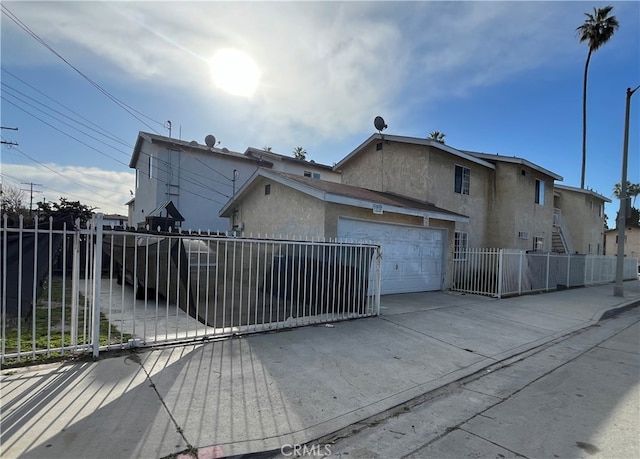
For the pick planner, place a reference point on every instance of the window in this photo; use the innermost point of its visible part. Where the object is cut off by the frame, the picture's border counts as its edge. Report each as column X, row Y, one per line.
column 538, row 243
column 267, row 189
column 150, row 167
column 539, row 192
column 137, row 179
column 307, row 174
column 590, row 247
column 378, row 146
column 523, row 235
column 462, row 180
column 599, row 210
column 460, row 245
column 316, row 175
column 625, row 239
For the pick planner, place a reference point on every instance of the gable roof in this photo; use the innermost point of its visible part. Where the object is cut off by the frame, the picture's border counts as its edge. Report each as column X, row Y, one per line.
column 591, row 193
column 264, row 155
column 514, row 160
column 340, row 193
column 412, row 141
column 189, row 147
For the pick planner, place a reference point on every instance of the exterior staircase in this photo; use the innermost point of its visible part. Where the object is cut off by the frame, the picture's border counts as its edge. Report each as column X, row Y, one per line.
column 560, row 238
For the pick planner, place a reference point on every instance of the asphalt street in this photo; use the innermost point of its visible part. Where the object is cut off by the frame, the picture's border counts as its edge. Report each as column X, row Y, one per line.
column 578, row 396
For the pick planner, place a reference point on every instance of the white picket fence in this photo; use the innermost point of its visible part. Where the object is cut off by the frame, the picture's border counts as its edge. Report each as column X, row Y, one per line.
column 70, row 290
column 506, row 272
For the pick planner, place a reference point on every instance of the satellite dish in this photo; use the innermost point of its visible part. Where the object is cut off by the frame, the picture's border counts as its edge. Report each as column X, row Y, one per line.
column 225, row 150
column 193, row 143
column 210, row 140
column 379, row 124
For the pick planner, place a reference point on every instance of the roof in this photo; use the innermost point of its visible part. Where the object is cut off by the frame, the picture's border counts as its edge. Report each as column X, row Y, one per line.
column 591, row 193
column 340, row 193
column 264, row 155
column 514, row 160
column 413, row 141
column 114, row 217
column 170, row 210
column 183, row 145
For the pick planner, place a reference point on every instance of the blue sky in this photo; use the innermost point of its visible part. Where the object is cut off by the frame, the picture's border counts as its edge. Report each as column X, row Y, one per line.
column 495, row 77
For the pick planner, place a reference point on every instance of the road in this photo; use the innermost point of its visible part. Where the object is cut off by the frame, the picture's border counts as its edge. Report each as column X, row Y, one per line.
column 578, row 396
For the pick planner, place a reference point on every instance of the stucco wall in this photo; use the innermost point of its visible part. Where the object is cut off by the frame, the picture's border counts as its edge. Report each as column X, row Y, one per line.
column 427, row 174
column 284, row 212
column 513, row 208
column 631, row 245
column 583, row 214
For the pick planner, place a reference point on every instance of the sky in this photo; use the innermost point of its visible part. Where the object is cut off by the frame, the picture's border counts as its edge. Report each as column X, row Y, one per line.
column 81, row 79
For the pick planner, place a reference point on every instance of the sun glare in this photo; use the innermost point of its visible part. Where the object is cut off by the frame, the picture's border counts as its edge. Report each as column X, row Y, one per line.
column 235, row 72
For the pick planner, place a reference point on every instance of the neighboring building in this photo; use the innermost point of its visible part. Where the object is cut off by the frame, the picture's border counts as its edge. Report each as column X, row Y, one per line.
column 416, row 236
column 115, row 220
column 292, row 165
column 197, row 179
column 631, row 242
column 581, row 212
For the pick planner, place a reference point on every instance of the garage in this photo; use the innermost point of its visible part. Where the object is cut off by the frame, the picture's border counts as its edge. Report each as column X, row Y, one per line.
column 412, row 256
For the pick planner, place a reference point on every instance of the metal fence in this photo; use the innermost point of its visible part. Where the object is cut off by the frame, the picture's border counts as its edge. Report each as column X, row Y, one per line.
column 505, row 272
column 67, row 290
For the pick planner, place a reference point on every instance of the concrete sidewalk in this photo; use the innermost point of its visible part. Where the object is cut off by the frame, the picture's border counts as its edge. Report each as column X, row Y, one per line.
column 261, row 392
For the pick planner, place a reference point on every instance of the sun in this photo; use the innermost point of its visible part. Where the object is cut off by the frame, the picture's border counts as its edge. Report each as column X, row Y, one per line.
column 235, row 72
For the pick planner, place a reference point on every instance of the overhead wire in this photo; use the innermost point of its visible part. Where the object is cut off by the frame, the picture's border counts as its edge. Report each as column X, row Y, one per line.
column 132, row 111
column 96, row 126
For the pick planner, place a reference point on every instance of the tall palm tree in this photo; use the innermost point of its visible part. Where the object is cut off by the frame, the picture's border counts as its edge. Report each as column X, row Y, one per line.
column 597, row 29
column 632, row 191
column 267, row 148
column 437, row 136
column 299, row 153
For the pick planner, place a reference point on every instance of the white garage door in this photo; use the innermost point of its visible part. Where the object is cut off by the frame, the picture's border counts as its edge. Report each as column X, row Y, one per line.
column 411, row 255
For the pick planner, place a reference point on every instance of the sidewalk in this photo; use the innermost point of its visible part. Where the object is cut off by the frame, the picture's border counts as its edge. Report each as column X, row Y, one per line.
column 260, row 392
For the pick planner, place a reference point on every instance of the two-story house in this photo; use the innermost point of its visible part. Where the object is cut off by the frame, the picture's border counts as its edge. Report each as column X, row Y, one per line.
column 198, row 179
column 452, row 199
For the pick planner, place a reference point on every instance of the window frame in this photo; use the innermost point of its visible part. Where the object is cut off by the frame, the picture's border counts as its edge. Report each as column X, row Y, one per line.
column 539, row 192
column 460, row 245
column 460, row 185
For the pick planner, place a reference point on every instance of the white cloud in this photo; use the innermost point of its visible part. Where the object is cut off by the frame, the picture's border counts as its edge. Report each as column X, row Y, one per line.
column 105, row 190
column 327, row 68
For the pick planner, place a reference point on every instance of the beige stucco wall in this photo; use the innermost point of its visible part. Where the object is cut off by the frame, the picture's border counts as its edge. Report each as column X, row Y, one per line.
column 427, row 174
column 284, row 212
column 583, row 215
column 513, row 209
column 631, row 245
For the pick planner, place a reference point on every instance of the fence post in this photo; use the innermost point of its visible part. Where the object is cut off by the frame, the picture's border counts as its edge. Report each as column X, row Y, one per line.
column 500, row 263
column 97, row 279
column 548, row 259
column 378, row 279
column 520, row 273
column 75, row 286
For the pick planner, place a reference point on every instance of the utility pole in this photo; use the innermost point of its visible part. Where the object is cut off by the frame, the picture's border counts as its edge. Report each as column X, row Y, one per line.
column 618, row 289
column 31, row 191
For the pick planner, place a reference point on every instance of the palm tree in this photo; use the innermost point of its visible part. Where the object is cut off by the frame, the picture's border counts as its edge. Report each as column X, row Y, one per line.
column 267, row 149
column 597, row 29
column 633, row 190
column 437, row 136
column 299, row 153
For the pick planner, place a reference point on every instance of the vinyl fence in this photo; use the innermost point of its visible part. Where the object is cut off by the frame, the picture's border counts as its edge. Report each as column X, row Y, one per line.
column 504, row 272
column 67, row 290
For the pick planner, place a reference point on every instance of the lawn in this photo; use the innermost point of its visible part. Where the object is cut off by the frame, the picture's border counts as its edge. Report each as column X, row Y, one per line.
column 34, row 341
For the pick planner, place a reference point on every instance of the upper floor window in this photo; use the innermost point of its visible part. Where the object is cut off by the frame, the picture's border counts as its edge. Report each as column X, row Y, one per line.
column 150, row 167
column 137, row 179
column 539, row 196
column 462, row 180
column 538, row 244
column 315, row 175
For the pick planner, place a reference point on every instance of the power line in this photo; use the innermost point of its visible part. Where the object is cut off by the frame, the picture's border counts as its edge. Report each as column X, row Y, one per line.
column 97, row 126
column 31, row 191
column 113, row 98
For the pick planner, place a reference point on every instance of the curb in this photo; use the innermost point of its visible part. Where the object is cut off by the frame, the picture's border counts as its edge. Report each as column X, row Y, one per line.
column 613, row 312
